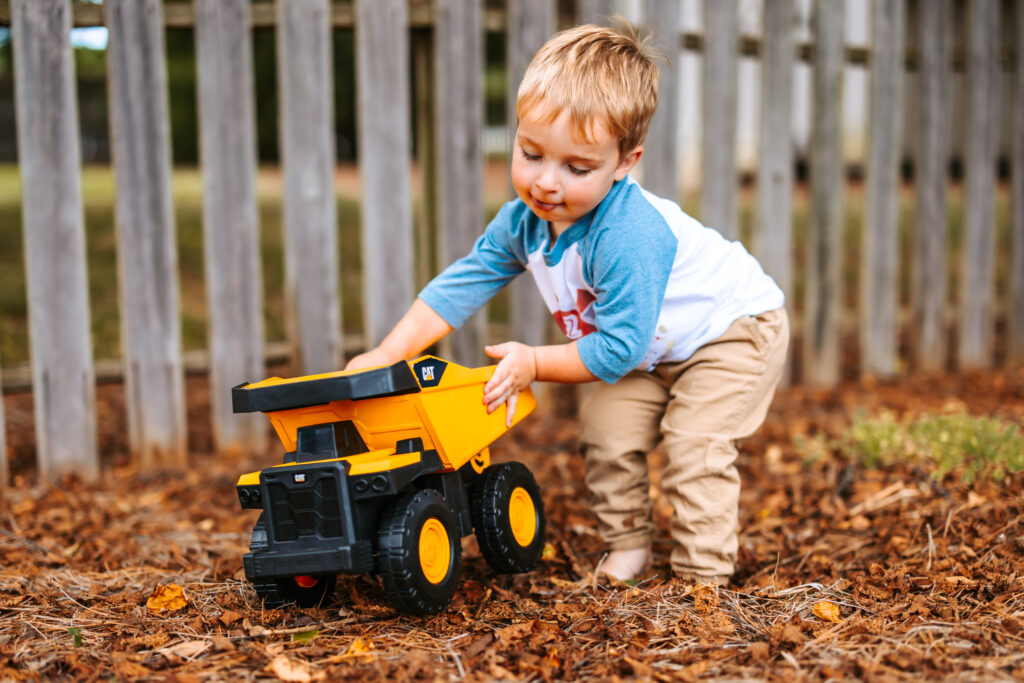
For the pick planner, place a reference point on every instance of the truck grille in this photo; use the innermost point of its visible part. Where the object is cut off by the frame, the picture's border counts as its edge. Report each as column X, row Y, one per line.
column 304, row 509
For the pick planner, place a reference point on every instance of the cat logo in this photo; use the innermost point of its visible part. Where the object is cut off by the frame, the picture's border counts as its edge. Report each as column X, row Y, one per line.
column 429, row 371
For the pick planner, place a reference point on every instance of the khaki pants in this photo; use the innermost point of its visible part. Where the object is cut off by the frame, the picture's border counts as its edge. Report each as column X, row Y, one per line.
column 701, row 408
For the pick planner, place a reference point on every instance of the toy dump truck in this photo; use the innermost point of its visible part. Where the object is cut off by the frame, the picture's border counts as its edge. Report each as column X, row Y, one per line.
column 385, row 470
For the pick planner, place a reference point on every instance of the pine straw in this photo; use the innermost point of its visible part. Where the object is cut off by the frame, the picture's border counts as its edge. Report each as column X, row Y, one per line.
column 928, row 578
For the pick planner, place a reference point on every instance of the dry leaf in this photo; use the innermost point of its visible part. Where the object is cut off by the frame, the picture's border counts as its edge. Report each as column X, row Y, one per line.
column 827, row 611
column 360, row 648
column 228, row 617
column 167, row 597
column 288, row 670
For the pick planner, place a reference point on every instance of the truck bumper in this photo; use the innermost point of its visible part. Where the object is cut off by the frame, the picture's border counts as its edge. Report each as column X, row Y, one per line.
column 349, row 559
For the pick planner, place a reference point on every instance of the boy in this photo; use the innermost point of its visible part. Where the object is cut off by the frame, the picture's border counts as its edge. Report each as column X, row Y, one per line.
column 682, row 330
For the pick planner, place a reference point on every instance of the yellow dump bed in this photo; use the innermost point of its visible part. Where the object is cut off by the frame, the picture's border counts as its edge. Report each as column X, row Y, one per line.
column 430, row 399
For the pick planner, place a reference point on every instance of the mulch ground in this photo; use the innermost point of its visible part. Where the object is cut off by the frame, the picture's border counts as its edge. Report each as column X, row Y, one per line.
column 844, row 572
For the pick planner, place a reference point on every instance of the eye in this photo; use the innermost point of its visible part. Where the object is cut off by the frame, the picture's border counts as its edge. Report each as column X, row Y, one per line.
column 529, row 156
column 579, row 171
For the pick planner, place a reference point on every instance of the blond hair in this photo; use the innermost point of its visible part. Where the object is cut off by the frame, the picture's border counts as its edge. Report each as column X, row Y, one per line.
column 591, row 72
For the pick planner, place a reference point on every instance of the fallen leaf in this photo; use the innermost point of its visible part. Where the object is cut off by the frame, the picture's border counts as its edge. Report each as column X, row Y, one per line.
column 305, row 637
column 827, row 611
column 167, row 597
column 185, row 650
column 360, row 648
column 228, row 617
column 287, row 670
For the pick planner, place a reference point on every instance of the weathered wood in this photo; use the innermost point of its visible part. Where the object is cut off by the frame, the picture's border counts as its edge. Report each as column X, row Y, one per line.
column 822, row 300
column 5, row 472
column 774, row 219
column 1015, row 350
column 662, row 149
column 879, row 291
column 530, row 24
column 773, row 229
column 426, row 227
column 718, row 174
column 594, row 11
column 234, row 287
column 978, row 290
column 929, row 289
column 146, row 252
column 50, row 157
column 459, row 72
column 312, row 303
column 382, row 69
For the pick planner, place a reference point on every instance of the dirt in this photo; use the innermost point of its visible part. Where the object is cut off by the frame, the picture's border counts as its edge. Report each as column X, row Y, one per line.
column 844, row 572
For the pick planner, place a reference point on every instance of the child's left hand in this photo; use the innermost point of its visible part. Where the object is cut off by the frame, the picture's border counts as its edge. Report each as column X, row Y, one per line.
column 516, row 370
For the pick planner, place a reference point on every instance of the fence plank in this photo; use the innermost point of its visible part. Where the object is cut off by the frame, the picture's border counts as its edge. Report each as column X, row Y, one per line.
column 382, row 63
column 1016, row 322
column 774, row 231
column 822, row 300
column 595, row 11
column 459, row 44
column 54, row 232
column 879, row 255
column 530, row 24
column 146, row 254
column 718, row 177
column 929, row 288
column 977, row 298
column 661, row 151
column 234, row 287
column 313, row 307
column 5, row 471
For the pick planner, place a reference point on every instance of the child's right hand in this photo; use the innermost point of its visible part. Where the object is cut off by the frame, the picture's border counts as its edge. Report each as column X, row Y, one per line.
column 371, row 359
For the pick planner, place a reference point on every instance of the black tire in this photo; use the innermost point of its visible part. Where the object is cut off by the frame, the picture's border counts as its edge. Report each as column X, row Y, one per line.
column 419, row 576
column 505, row 502
column 306, row 591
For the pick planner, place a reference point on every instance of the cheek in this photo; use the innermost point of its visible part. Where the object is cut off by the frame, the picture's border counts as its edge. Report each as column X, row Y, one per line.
column 582, row 191
column 520, row 176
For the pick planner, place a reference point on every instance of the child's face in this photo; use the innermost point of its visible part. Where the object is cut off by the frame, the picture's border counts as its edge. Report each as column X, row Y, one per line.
column 560, row 177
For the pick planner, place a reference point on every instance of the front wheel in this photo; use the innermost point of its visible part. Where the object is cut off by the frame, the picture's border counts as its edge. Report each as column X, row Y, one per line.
column 419, row 552
column 508, row 518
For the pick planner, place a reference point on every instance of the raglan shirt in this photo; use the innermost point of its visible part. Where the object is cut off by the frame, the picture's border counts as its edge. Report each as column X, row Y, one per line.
column 636, row 281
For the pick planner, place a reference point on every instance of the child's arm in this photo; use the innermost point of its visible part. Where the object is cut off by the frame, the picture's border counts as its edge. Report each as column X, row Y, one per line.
column 420, row 327
column 521, row 364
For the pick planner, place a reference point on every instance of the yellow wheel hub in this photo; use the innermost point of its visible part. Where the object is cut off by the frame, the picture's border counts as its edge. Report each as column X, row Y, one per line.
column 435, row 550
column 522, row 516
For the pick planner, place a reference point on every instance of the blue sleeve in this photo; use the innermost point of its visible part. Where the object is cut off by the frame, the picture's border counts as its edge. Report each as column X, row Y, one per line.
column 629, row 270
column 466, row 285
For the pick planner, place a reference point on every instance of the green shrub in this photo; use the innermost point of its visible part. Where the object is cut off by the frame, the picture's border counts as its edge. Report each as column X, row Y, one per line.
column 974, row 447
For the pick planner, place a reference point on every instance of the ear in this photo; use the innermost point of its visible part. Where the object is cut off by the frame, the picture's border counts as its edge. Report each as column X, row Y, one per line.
column 628, row 161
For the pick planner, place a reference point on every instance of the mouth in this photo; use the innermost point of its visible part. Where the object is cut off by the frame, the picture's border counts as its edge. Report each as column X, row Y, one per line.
column 544, row 206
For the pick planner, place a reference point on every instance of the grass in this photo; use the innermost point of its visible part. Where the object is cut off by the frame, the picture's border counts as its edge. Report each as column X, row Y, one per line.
column 98, row 201
column 970, row 447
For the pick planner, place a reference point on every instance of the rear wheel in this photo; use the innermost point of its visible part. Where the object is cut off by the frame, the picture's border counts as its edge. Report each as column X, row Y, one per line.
column 508, row 518
column 419, row 552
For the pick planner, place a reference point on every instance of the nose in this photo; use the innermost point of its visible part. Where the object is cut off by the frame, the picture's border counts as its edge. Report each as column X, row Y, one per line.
column 547, row 179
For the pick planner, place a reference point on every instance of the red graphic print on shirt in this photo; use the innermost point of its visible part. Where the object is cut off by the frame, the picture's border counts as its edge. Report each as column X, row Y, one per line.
column 574, row 324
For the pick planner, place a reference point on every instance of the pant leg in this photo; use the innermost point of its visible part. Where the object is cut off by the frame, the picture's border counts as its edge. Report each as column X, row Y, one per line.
column 619, row 427
column 719, row 395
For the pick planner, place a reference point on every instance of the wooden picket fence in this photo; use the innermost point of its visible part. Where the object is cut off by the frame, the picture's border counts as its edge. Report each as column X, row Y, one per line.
column 63, row 371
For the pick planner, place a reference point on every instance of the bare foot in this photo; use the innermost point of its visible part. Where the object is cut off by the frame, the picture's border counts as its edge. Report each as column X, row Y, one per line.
column 625, row 565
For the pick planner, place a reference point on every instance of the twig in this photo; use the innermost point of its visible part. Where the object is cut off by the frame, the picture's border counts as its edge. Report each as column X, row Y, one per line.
column 931, row 548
